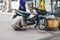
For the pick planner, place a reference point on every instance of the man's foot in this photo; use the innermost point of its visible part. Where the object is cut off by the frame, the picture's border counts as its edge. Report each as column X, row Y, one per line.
column 24, row 25
column 18, row 28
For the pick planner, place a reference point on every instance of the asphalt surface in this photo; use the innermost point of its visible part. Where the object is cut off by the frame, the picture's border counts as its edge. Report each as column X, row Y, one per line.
column 52, row 37
column 55, row 38
column 8, row 33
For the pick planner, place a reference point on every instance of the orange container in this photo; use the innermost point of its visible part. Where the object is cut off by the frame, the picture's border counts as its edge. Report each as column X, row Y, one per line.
column 53, row 23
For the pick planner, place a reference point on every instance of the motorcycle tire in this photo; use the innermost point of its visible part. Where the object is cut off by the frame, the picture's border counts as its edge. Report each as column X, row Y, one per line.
column 35, row 25
column 42, row 25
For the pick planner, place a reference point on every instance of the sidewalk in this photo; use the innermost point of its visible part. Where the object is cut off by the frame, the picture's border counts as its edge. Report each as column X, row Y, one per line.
column 7, row 32
column 6, row 12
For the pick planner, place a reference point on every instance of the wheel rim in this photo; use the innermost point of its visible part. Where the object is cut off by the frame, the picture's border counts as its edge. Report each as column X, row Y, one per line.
column 41, row 24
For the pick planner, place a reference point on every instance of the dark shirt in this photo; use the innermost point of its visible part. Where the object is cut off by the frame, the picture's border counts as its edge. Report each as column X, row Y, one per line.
column 22, row 4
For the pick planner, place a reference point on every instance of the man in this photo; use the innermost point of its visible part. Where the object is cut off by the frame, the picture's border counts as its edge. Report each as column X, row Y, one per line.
column 22, row 5
column 19, row 21
column 31, row 10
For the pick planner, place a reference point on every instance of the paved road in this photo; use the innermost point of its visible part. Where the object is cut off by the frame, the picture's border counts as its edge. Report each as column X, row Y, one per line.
column 7, row 32
column 56, row 38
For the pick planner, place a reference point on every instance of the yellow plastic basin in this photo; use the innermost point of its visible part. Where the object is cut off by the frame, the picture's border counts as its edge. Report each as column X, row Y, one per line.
column 53, row 23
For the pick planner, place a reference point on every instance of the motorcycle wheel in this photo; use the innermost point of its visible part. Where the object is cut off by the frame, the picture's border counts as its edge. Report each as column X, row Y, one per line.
column 34, row 25
column 42, row 25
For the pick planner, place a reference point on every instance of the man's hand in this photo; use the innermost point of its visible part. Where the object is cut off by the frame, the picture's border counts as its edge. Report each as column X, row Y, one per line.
column 33, row 13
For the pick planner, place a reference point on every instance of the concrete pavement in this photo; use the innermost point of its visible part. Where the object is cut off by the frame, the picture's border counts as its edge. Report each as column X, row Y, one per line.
column 7, row 32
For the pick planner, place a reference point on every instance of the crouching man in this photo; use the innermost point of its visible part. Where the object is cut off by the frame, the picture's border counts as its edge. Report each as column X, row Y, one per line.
column 19, row 21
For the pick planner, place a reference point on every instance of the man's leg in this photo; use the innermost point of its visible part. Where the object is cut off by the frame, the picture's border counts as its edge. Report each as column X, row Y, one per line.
column 16, row 21
column 19, row 22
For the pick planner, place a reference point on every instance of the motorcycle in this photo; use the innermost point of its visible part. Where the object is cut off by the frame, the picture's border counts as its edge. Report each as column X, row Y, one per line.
column 37, row 20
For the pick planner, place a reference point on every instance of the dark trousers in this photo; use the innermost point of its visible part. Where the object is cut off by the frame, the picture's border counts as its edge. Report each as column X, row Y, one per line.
column 22, row 9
